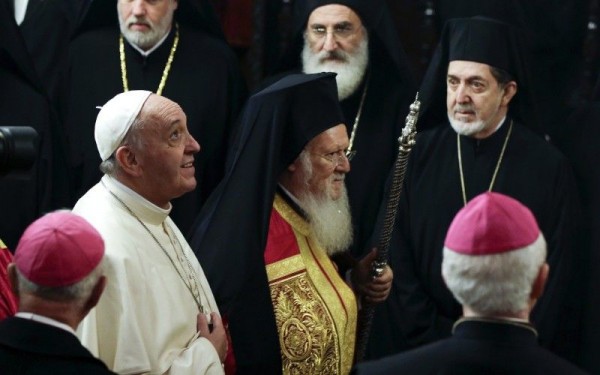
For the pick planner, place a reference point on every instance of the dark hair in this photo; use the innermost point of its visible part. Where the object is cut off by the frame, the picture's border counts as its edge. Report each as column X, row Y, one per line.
column 502, row 76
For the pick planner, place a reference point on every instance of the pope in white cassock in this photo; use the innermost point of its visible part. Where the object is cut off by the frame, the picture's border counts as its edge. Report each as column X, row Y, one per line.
column 154, row 315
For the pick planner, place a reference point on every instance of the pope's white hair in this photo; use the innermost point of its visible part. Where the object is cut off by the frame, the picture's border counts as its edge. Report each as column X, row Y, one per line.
column 133, row 137
column 494, row 284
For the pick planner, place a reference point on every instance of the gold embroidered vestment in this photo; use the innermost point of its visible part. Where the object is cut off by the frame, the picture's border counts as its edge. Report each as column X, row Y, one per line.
column 315, row 310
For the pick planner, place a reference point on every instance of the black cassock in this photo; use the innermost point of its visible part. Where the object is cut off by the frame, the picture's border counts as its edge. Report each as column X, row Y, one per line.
column 476, row 348
column 23, row 102
column 376, row 144
column 204, row 80
column 420, row 308
column 581, row 146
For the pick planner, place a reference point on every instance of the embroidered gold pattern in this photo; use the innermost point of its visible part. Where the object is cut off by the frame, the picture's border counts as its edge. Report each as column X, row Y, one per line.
column 307, row 334
column 315, row 309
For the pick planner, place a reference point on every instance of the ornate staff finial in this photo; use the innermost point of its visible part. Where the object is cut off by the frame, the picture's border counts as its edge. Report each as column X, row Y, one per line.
column 406, row 143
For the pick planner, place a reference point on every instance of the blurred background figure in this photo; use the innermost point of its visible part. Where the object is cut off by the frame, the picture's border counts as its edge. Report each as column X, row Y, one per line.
column 581, row 145
column 8, row 301
column 29, row 75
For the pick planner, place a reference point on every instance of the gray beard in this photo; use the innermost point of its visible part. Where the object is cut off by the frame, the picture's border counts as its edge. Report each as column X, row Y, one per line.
column 466, row 128
column 330, row 221
column 147, row 40
column 350, row 70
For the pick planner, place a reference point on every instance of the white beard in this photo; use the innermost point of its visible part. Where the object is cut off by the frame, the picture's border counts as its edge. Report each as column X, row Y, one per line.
column 350, row 67
column 330, row 220
column 466, row 128
column 470, row 129
column 145, row 40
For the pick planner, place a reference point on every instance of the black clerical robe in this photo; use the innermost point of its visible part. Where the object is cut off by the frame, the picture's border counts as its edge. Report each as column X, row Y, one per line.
column 47, row 29
column 376, row 144
column 23, row 102
column 204, row 80
column 476, row 347
column 28, row 347
column 581, row 147
column 420, row 308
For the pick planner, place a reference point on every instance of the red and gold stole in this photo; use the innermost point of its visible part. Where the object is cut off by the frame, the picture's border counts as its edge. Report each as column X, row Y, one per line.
column 315, row 309
column 8, row 301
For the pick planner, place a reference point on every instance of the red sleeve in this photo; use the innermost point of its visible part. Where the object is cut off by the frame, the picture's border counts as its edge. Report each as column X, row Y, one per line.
column 281, row 240
column 8, row 301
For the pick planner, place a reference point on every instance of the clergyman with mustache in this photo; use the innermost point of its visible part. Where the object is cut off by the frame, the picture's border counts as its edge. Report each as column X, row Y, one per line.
column 480, row 107
column 269, row 231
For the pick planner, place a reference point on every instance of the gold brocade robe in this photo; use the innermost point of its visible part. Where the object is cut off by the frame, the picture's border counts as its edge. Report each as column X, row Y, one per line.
column 315, row 309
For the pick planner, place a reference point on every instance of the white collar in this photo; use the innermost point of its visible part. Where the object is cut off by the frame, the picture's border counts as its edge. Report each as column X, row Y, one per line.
column 143, row 208
column 147, row 53
column 45, row 320
column 499, row 124
column 20, row 10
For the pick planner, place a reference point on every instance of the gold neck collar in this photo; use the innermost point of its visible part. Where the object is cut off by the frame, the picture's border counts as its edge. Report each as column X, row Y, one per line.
column 358, row 115
column 165, row 74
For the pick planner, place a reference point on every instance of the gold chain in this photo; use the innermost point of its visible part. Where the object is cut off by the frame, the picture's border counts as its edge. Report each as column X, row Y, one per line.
column 165, row 74
column 192, row 278
column 357, row 118
column 460, row 167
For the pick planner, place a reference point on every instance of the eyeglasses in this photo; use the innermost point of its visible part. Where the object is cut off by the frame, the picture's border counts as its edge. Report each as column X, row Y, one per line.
column 340, row 31
column 337, row 157
column 151, row 2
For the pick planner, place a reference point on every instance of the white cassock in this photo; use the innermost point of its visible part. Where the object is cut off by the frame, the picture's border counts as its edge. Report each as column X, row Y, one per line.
column 145, row 321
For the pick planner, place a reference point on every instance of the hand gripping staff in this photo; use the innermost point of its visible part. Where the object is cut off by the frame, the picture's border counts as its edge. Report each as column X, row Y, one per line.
column 406, row 143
